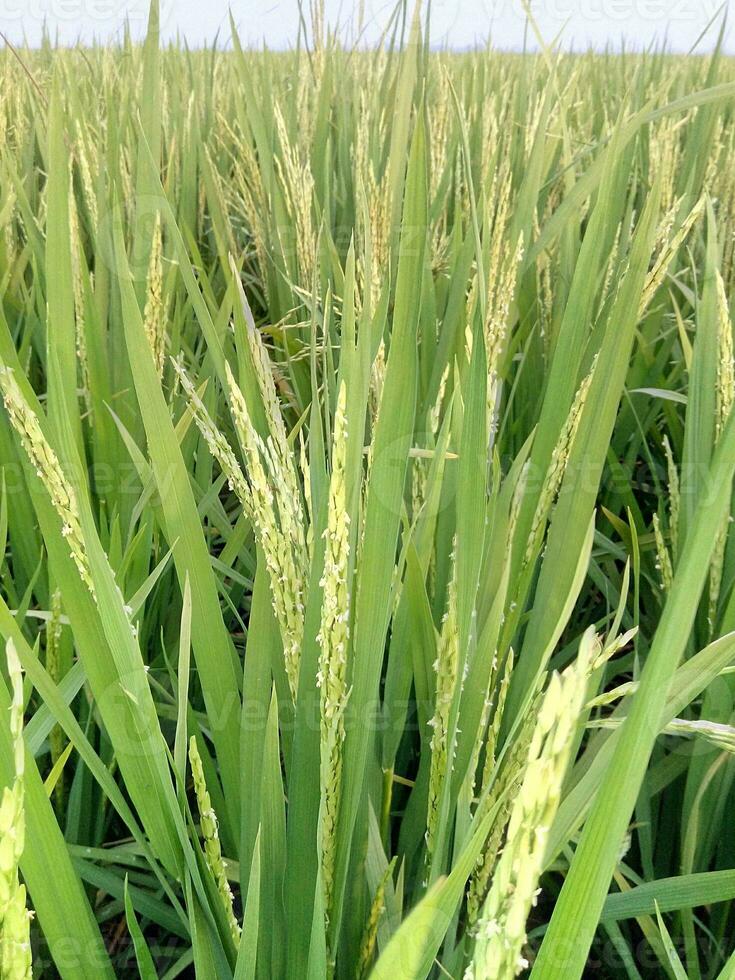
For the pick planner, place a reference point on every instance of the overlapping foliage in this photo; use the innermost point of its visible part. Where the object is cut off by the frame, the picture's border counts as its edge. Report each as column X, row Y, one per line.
column 366, row 490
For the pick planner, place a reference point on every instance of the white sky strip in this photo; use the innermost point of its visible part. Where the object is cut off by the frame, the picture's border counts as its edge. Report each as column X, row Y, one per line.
column 581, row 23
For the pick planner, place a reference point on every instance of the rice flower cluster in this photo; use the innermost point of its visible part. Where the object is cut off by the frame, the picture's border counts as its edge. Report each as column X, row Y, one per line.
column 333, row 638
column 218, row 446
column 278, row 516
column 446, row 667
column 210, row 833
column 153, row 314
column 48, row 470
column 557, row 466
column 501, row 929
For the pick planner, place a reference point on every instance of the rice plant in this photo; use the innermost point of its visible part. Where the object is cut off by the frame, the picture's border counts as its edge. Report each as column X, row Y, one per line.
column 366, row 463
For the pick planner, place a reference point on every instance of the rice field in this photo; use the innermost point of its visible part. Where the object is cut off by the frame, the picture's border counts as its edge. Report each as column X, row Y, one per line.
column 366, row 469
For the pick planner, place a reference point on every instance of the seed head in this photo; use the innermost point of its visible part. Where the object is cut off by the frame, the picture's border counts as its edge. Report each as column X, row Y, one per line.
column 48, row 469
column 210, row 833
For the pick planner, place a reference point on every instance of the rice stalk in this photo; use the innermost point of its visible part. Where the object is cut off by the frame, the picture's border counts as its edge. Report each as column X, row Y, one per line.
column 15, row 919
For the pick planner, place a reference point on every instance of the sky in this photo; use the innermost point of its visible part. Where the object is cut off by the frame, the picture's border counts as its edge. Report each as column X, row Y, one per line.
column 455, row 23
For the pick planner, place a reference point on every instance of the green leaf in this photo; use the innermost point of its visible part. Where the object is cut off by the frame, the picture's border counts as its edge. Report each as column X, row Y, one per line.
column 247, row 953
column 670, row 894
column 580, row 903
column 143, row 956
